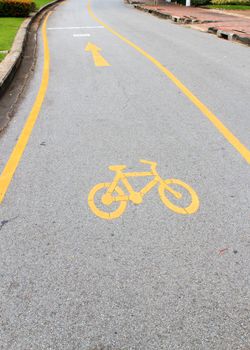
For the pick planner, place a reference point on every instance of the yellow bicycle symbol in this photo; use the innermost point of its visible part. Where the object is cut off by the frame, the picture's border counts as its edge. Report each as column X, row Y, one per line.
column 108, row 194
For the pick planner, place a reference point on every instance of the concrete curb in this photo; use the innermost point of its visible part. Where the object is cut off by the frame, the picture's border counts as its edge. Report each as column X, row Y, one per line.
column 12, row 61
column 229, row 36
column 188, row 20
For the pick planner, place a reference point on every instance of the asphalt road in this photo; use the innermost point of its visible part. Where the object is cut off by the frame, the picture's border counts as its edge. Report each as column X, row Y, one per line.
column 151, row 278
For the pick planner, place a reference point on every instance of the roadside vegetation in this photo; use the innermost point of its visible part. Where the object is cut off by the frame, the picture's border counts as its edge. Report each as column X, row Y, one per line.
column 220, row 4
column 12, row 14
column 229, row 4
column 41, row 3
column 8, row 28
column 228, row 7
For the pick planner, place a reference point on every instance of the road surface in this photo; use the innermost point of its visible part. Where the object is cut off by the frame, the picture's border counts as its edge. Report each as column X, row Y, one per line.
column 90, row 267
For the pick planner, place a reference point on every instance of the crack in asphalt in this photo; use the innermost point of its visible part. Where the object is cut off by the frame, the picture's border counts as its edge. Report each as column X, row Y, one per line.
column 4, row 222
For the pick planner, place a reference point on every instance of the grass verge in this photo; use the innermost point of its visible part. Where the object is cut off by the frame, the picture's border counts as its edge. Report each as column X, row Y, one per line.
column 2, row 55
column 41, row 3
column 229, row 7
column 8, row 29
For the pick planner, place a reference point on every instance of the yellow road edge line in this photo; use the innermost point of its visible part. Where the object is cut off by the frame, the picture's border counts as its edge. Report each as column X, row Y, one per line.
column 16, row 155
column 229, row 136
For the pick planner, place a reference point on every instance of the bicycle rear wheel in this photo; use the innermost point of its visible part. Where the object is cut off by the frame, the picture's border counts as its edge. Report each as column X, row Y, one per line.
column 112, row 211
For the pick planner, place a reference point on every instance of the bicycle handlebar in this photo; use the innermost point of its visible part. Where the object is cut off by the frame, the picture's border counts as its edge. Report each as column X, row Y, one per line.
column 143, row 161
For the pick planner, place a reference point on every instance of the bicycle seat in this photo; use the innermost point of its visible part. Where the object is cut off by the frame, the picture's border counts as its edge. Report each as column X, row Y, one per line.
column 117, row 167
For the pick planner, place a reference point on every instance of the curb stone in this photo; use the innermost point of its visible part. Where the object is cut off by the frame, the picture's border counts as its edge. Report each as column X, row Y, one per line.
column 12, row 61
column 226, row 35
column 188, row 20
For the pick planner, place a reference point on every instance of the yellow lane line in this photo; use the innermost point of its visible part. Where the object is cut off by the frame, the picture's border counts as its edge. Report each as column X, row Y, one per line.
column 235, row 142
column 16, row 155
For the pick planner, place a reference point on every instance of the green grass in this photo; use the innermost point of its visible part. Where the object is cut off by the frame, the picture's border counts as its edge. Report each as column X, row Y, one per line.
column 229, row 7
column 2, row 56
column 8, row 29
column 41, row 3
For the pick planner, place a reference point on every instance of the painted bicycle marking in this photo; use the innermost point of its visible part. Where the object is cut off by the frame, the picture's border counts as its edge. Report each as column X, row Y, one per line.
column 115, row 194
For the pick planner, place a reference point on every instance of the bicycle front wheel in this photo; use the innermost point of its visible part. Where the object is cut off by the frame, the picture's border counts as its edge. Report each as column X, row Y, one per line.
column 187, row 197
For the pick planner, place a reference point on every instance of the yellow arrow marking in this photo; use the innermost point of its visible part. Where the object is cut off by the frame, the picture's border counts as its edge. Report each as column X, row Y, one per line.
column 97, row 57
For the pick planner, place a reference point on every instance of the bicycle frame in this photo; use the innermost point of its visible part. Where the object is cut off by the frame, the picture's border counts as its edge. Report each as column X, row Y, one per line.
column 134, row 196
column 114, row 193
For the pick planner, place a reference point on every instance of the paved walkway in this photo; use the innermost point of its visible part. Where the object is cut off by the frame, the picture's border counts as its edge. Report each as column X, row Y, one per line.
column 236, row 23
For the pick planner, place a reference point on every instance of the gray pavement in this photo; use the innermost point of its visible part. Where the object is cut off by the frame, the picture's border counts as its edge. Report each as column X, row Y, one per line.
column 151, row 279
